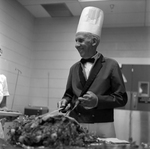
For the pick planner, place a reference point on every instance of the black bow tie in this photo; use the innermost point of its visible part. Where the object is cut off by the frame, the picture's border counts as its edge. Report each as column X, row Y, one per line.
column 90, row 60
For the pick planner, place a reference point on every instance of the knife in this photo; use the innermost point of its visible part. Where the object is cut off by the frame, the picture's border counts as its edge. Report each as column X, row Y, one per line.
column 46, row 115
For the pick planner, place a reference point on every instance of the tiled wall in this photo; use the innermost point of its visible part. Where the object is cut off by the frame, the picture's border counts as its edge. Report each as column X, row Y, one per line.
column 54, row 53
column 16, row 40
column 48, row 45
column 133, row 124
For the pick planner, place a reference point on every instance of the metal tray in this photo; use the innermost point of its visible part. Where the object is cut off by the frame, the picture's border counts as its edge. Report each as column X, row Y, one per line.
column 8, row 113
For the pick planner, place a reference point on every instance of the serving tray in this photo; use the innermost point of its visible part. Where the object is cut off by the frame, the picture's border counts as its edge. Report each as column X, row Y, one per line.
column 9, row 113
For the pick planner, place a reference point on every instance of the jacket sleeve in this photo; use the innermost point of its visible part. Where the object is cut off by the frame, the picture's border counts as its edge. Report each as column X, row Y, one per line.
column 68, row 92
column 117, row 97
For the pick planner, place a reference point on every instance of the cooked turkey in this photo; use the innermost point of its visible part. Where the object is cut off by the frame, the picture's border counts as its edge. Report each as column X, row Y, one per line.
column 56, row 131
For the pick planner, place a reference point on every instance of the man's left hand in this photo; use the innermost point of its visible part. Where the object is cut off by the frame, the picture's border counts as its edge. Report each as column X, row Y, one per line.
column 89, row 100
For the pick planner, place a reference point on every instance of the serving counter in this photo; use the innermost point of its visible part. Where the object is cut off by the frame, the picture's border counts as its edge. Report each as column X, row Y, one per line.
column 5, row 145
column 8, row 114
column 102, row 143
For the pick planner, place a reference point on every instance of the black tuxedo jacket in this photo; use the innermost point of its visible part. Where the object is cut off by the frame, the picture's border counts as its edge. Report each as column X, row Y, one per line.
column 108, row 85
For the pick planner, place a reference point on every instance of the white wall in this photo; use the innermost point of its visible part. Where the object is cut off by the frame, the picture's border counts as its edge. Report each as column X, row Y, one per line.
column 16, row 39
column 134, row 124
column 48, row 45
column 54, row 54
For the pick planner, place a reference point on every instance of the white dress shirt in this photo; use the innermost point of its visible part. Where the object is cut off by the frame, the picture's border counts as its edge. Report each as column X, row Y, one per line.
column 88, row 66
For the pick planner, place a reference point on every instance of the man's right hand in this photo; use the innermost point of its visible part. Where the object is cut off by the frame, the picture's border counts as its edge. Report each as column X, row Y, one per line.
column 64, row 106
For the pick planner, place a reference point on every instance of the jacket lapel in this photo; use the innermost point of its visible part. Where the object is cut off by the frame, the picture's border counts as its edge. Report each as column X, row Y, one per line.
column 86, row 84
column 81, row 76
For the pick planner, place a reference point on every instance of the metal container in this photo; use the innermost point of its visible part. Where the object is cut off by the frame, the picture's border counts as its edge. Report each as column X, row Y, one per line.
column 35, row 110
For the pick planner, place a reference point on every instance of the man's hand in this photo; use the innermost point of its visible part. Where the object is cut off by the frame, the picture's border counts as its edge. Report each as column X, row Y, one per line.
column 89, row 100
column 64, row 105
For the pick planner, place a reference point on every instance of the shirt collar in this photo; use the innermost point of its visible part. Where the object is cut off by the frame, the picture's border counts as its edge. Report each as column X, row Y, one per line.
column 96, row 56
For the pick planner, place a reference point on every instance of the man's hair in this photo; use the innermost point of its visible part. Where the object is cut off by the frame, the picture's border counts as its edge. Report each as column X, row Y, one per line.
column 89, row 35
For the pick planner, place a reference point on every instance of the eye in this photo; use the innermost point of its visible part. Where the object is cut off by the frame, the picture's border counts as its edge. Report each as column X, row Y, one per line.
column 79, row 40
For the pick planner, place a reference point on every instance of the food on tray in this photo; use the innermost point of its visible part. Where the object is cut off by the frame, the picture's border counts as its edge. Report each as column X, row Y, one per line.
column 58, row 130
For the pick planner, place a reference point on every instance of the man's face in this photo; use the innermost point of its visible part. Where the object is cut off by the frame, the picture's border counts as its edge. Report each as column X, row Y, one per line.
column 84, row 45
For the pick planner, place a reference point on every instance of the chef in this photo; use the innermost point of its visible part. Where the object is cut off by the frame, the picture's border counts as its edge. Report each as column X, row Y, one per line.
column 95, row 85
column 3, row 89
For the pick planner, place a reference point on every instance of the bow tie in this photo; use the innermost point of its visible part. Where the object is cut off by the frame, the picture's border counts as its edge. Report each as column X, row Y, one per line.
column 90, row 60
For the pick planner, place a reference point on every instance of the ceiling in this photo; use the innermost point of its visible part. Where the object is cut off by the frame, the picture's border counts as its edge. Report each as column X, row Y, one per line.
column 117, row 13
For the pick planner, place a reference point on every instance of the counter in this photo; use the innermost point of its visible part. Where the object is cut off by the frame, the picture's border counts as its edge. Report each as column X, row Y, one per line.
column 115, row 144
column 6, row 145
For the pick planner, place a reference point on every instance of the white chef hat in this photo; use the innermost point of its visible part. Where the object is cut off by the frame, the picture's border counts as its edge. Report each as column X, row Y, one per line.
column 91, row 21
